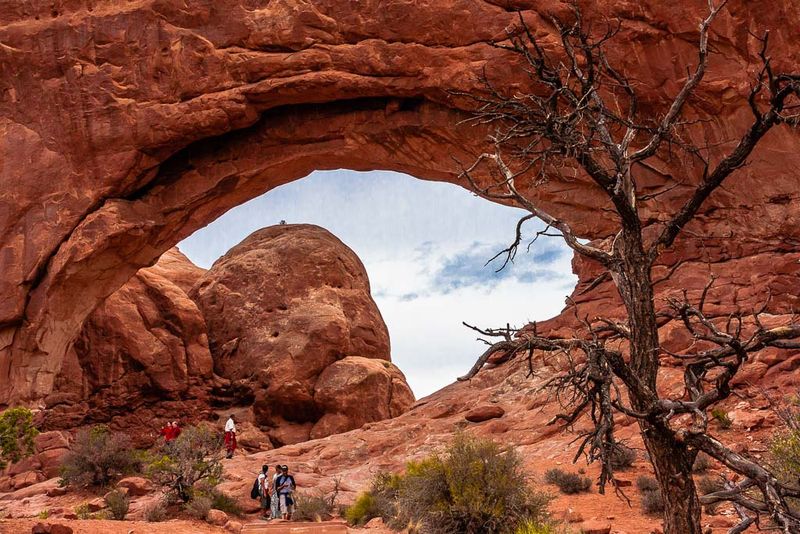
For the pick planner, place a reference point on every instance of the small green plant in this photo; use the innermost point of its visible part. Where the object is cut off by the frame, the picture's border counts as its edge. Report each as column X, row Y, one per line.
column 568, row 483
column 722, row 418
column 194, row 457
column 17, row 435
column 118, row 503
column 155, row 512
column 362, row 510
column 82, row 511
column 537, row 527
column 622, row 457
column 96, row 457
column 222, row 501
column 44, row 514
column 198, row 507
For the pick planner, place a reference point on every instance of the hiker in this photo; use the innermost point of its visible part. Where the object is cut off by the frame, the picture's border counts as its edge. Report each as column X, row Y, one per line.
column 285, row 486
column 264, row 491
column 176, row 430
column 230, row 436
column 276, row 502
column 166, row 431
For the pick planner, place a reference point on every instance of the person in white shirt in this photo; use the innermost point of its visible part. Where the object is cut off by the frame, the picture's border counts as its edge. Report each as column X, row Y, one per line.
column 264, row 484
column 230, row 436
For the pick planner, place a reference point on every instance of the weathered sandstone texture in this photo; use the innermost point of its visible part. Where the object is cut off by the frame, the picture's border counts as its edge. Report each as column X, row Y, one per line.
column 292, row 324
column 126, row 126
column 142, row 357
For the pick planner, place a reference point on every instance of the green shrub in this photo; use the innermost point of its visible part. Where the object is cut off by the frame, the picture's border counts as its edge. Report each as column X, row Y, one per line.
column 198, row 507
column 16, row 435
column 622, row 457
column 44, row 514
column 477, row 486
column 722, row 418
column 194, row 457
column 118, row 503
column 155, row 511
column 568, row 483
column 646, row 483
column 222, row 501
column 96, row 457
column 82, row 511
column 362, row 510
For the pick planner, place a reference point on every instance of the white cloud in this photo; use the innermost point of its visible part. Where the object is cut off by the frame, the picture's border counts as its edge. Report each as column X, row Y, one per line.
column 424, row 245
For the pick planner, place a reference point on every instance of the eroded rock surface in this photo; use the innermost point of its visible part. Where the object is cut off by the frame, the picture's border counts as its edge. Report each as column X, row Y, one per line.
column 142, row 357
column 292, row 324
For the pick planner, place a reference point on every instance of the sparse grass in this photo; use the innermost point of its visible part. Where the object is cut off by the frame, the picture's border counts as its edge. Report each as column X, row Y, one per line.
column 155, row 512
column 646, row 483
column 82, row 511
column 118, row 503
column 722, row 418
column 652, row 502
column 198, row 507
column 622, row 457
column 568, row 483
column 44, row 514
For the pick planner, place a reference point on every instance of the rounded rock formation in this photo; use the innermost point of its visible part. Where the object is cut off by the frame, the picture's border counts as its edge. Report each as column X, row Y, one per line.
column 288, row 310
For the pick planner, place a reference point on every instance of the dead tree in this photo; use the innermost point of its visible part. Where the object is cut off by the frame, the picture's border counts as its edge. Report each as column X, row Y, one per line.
column 584, row 114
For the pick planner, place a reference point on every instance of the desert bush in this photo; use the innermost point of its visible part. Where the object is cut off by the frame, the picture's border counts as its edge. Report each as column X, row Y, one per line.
column 646, row 483
column 16, row 435
column 708, row 485
column 118, row 503
column 701, row 463
column 477, row 486
column 622, row 457
column 318, row 506
column 222, row 501
column 198, row 507
column 568, row 483
column 82, row 511
column 362, row 510
column 96, row 457
column 44, row 514
column 721, row 417
column 652, row 499
column 652, row 502
column 194, row 457
column 155, row 512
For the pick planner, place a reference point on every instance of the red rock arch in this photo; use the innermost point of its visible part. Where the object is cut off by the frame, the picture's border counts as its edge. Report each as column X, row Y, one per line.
column 128, row 126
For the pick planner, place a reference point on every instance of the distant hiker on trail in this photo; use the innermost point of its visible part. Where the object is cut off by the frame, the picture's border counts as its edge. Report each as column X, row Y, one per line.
column 285, row 486
column 170, row 431
column 230, row 436
column 276, row 501
column 176, row 430
column 264, row 491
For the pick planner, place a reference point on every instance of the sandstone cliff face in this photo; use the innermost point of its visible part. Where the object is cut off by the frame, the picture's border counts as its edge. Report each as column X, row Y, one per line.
column 289, row 314
column 154, row 120
column 140, row 358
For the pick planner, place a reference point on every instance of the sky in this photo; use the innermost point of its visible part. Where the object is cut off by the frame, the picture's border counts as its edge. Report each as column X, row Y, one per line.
column 425, row 246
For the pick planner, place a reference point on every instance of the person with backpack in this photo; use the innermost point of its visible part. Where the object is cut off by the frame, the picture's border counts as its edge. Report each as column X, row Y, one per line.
column 230, row 437
column 262, row 485
column 284, row 487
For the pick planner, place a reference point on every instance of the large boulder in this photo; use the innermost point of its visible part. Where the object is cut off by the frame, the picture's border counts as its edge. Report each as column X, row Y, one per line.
column 282, row 308
column 141, row 356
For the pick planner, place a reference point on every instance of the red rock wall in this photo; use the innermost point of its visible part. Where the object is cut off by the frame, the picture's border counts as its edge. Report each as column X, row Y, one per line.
column 126, row 127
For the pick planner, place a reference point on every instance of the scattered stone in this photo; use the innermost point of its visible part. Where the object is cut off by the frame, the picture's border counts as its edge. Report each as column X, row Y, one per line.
column 233, row 526
column 136, row 486
column 595, row 526
column 375, row 522
column 58, row 491
column 217, row 517
column 50, row 528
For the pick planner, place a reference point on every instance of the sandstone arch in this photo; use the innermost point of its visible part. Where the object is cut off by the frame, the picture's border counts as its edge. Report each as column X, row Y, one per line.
column 128, row 126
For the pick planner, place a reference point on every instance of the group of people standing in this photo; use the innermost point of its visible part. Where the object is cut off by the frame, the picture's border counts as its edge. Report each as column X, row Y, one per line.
column 276, row 493
column 170, row 431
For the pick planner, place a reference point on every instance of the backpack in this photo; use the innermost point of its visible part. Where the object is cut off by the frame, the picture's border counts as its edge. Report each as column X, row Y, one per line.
column 255, row 493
